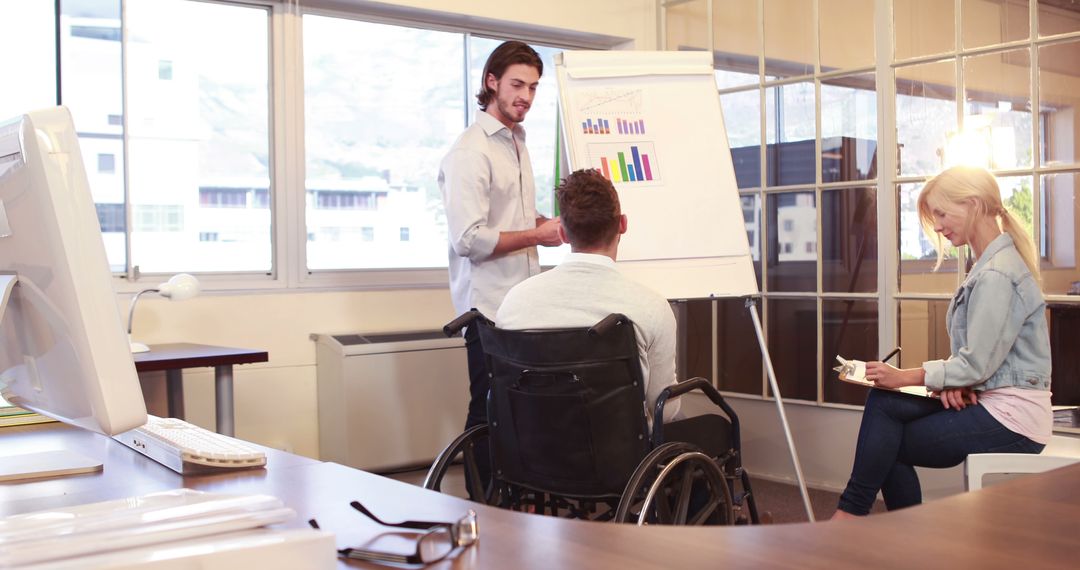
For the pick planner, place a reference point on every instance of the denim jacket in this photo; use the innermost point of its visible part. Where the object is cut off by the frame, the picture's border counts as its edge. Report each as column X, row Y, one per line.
column 997, row 327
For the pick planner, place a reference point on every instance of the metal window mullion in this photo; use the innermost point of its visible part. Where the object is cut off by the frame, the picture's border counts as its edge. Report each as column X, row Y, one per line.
column 287, row 201
column 131, row 270
column 820, row 235
column 762, row 179
column 885, row 83
column 1036, row 130
column 466, row 61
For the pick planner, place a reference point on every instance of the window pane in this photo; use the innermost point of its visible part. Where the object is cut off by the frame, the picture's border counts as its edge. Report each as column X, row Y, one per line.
column 988, row 22
column 789, row 133
column 27, row 29
column 848, row 128
column 697, row 328
column 789, row 38
column 1060, row 235
column 922, row 27
column 751, row 210
column 1058, row 17
column 736, row 43
column 792, row 241
column 368, row 138
column 1064, row 321
column 91, row 88
column 917, row 254
column 849, row 240
column 998, row 118
column 738, row 352
column 925, row 115
column 1058, row 116
column 1017, row 197
column 792, row 342
column 687, row 26
column 849, row 329
column 846, row 32
column 923, row 335
column 204, row 124
column 742, row 120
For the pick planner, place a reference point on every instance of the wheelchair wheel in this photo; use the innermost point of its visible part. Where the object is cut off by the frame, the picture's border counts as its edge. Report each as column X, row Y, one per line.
column 464, row 446
column 677, row 484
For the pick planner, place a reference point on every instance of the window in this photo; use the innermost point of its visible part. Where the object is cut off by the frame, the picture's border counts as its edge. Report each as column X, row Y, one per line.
column 798, row 90
column 403, row 234
column 208, row 236
column 205, row 133
column 106, row 163
column 369, row 149
column 111, row 218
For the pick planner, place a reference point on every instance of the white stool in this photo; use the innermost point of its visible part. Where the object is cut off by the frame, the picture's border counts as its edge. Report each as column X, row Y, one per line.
column 1061, row 451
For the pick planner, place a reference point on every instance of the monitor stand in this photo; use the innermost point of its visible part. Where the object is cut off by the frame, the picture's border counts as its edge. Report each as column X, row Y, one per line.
column 46, row 463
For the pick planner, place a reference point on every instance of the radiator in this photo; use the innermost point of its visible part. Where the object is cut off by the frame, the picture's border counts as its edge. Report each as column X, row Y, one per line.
column 389, row 401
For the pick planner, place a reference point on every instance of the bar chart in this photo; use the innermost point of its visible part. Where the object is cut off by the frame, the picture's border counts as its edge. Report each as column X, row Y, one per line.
column 615, row 125
column 626, row 162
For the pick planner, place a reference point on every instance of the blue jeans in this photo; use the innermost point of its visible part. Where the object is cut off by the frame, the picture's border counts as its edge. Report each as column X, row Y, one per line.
column 900, row 432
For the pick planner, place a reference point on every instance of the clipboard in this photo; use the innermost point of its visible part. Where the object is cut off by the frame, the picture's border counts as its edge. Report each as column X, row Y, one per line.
column 854, row 372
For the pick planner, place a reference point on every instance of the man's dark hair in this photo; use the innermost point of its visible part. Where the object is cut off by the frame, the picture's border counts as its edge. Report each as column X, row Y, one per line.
column 507, row 54
column 589, row 209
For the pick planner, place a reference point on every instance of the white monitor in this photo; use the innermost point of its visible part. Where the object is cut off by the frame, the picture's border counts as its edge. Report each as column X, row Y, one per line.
column 63, row 349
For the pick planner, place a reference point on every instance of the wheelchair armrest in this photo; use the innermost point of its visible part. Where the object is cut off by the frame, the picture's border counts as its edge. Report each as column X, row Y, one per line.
column 684, row 387
column 465, row 319
column 608, row 322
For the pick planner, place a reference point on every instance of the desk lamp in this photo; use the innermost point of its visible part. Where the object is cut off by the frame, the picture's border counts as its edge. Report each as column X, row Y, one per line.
column 179, row 287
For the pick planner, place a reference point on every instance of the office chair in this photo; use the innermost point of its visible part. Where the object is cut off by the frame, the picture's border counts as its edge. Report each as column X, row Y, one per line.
column 569, row 436
column 1061, row 451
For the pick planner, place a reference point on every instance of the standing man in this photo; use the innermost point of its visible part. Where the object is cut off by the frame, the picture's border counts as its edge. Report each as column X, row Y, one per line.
column 490, row 198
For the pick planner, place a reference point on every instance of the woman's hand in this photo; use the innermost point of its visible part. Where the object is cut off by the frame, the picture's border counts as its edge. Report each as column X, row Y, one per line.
column 957, row 398
column 889, row 376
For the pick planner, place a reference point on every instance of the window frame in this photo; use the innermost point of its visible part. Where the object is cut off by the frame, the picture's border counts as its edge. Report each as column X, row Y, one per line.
column 287, row 189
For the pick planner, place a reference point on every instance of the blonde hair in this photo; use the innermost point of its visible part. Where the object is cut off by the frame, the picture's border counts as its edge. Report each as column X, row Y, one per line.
column 959, row 184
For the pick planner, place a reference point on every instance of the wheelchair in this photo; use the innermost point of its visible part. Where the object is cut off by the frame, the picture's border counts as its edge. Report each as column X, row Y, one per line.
column 568, row 436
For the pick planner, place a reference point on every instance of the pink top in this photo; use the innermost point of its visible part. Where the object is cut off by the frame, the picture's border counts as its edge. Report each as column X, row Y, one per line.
column 1026, row 412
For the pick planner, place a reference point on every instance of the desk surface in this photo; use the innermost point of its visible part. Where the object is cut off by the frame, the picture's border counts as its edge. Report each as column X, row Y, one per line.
column 187, row 355
column 1028, row 522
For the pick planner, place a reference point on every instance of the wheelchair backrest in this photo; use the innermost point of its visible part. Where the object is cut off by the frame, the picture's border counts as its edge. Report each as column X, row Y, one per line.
column 566, row 409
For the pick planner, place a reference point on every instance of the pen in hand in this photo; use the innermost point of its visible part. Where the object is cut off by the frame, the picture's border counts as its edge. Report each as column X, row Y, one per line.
column 894, row 352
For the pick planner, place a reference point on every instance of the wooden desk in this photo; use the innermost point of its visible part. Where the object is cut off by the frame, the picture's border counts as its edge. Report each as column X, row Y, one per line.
column 173, row 358
column 1025, row 523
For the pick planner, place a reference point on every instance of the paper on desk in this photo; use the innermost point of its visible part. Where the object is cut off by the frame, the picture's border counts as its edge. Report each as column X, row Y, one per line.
column 110, row 525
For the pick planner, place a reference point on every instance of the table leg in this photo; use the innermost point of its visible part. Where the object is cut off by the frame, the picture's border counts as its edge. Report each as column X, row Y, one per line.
column 223, row 385
column 174, row 392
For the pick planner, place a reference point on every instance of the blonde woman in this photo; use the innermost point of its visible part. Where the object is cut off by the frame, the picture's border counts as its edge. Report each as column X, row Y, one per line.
column 994, row 387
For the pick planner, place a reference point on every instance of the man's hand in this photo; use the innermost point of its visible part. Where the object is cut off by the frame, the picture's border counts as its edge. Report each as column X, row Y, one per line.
column 547, row 232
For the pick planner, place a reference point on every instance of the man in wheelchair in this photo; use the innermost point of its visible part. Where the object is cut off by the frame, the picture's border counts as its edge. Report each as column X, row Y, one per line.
column 578, row 393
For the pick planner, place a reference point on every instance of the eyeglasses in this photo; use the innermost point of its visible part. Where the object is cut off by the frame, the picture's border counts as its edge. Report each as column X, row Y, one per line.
column 436, row 541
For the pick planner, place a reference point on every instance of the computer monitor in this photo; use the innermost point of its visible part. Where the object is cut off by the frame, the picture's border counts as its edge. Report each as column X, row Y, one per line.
column 63, row 349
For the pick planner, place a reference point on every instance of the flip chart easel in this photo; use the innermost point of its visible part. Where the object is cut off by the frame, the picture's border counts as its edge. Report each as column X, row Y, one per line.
column 651, row 123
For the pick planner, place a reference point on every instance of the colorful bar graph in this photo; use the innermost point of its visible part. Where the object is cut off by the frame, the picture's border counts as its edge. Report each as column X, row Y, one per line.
column 628, row 163
column 600, row 126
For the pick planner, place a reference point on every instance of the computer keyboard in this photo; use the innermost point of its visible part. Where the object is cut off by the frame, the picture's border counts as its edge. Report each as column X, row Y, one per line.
column 189, row 449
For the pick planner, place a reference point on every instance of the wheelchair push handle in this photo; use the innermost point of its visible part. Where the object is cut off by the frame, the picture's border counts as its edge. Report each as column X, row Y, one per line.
column 609, row 322
column 465, row 319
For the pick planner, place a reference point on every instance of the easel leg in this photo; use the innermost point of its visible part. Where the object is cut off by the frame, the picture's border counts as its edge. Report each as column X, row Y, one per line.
column 750, row 306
